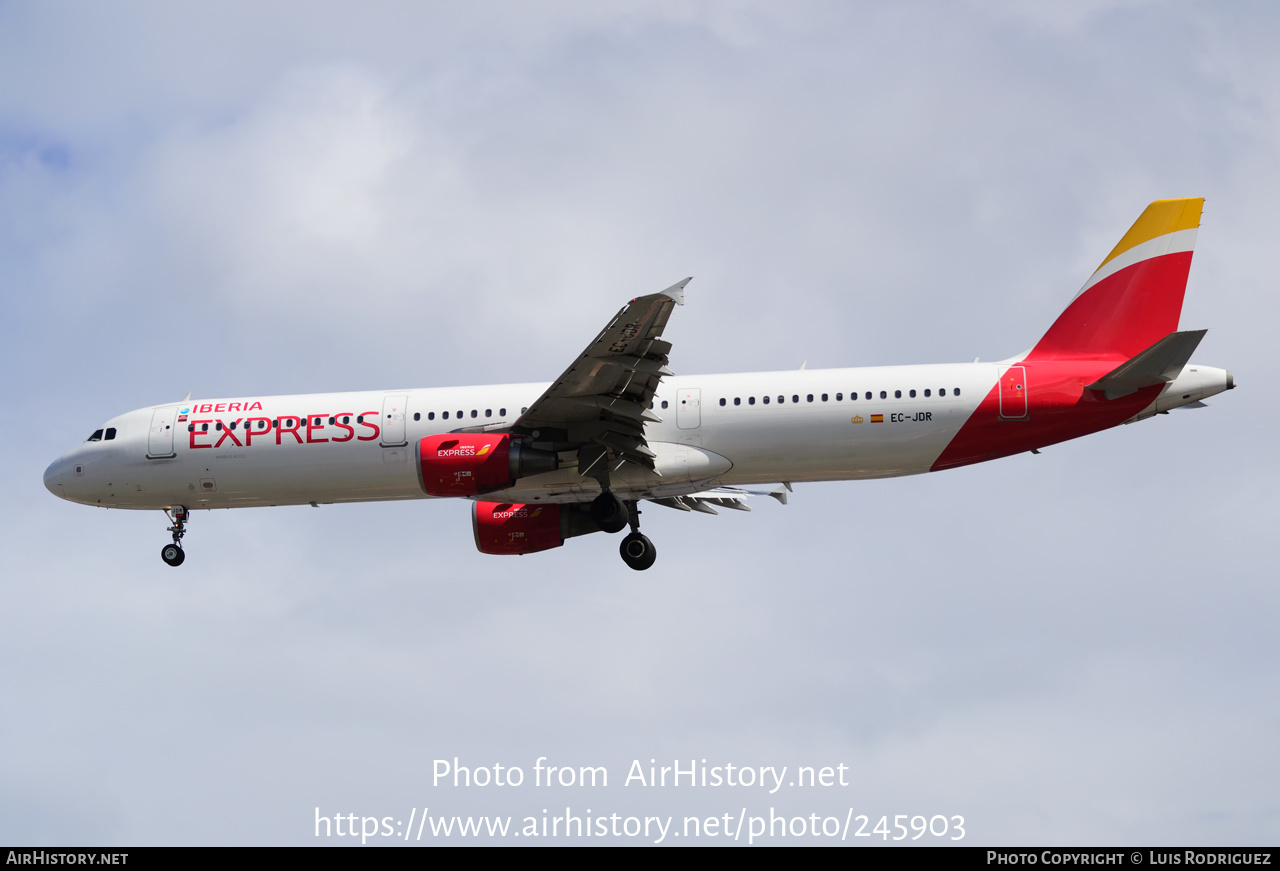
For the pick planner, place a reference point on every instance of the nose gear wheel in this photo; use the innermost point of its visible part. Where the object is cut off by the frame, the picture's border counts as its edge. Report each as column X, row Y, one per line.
column 173, row 554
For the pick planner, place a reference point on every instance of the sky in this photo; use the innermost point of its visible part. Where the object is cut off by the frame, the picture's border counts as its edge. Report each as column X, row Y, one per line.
column 1074, row 648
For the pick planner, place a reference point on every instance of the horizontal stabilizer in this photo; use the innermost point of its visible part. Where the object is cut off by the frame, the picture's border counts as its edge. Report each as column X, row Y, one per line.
column 1159, row 364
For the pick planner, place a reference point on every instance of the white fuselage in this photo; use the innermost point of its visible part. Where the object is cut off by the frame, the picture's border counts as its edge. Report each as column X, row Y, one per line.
column 716, row 430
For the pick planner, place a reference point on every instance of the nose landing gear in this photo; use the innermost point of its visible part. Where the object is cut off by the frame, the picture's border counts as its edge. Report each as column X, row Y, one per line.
column 173, row 553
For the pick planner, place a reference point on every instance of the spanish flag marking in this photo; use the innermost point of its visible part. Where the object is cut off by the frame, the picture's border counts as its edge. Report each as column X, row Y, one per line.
column 877, row 418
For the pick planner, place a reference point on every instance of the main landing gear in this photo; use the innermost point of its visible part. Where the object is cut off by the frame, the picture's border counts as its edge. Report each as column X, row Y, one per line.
column 173, row 553
column 638, row 551
column 611, row 514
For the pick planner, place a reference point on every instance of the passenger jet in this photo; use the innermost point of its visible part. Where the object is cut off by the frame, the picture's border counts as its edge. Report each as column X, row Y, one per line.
column 543, row 463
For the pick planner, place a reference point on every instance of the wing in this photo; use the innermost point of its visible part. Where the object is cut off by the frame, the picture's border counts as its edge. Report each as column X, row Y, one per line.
column 706, row 501
column 599, row 406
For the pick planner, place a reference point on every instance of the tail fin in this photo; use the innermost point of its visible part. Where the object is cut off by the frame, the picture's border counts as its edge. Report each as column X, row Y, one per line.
column 1134, row 299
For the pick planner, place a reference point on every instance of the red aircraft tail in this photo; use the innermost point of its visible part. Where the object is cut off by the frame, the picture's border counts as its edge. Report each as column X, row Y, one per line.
column 1134, row 299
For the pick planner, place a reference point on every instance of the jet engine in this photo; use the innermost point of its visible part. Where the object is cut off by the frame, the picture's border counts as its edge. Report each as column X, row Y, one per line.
column 468, row 464
column 507, row 528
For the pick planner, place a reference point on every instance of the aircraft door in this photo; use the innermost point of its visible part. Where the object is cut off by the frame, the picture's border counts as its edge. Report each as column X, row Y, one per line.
column 1013, row 393
column 160, row 440
column 393, row 412
column 689, row 408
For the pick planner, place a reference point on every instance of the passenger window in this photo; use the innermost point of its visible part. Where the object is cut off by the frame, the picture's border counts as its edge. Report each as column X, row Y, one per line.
column 926, row 393
column 839, row 397
column 897, row 394
column 751, row 400
column 218, row 426
column 523, row 410
column 912, row 394
column 191, row 427
column 204, row 427
column 111, row 433
column 474, row 413
column 96, row 437
column 869, row 394
column 459, row 414
column 853, row 397
column 765, row 400
column 722, row 401
column 360, row 418
column 431, row 415
column 275, row 424
column 737, row 400
column 664, row 403
column 824, row 397
column 883, row 395
column 955, row 391
column 942, row 392
column 502, row 412
column 809, row 397
column 445, row 415
column 488, row 412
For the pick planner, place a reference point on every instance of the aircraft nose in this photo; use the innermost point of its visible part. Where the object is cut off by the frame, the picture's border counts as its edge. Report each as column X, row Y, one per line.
column 53, row 477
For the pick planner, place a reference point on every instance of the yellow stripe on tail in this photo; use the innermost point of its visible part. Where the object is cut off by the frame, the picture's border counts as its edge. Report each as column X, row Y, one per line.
column 1160, row 218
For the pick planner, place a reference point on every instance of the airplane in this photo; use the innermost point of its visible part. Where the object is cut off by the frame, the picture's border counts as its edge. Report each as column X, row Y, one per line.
column 544, row 463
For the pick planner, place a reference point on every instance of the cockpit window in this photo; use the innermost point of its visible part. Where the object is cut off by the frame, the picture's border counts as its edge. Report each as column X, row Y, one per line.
column 111, row 433
column 96, row 437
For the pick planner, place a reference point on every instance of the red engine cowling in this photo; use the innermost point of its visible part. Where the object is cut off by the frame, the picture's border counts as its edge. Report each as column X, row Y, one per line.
column 464, row 464
column 468, row 464
column 506, row 528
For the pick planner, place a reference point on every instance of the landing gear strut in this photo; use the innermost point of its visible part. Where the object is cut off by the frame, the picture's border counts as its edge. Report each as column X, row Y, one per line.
column 637, row 550
column 173, row 553
column 611, row 515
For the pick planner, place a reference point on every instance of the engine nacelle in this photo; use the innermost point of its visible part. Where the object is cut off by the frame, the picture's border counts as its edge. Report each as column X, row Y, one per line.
column 513, row 528
column 468, row 464
column 505, row 527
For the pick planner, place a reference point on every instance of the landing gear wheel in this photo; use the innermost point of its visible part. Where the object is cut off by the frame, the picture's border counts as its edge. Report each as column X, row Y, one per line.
column 609, row 512
column 638, row 551
column 172, row 553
